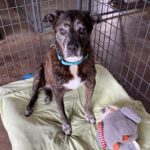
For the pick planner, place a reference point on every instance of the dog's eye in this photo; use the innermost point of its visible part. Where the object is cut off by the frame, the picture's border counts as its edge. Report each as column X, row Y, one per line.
column 62, row 31
column 82, row 30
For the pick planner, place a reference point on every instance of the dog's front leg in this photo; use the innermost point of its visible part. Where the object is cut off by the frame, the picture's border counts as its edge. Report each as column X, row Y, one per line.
column 36, row 85
column 90, row 84
column 66, row 127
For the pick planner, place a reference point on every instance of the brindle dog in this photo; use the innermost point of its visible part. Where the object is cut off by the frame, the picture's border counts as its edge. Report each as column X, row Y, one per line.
column 69, row 64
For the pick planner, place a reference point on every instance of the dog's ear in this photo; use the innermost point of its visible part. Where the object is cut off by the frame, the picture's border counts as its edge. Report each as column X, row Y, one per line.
column 95, row 18
column 52, row 16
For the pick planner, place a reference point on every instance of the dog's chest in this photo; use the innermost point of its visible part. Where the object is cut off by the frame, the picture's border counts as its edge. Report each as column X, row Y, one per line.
column 76, row 81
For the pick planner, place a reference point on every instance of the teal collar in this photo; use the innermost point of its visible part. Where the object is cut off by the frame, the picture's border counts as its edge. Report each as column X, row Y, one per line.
column 66, row 63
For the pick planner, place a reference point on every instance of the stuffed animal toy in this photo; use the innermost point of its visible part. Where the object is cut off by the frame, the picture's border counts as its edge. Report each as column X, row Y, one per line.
column 118, row 129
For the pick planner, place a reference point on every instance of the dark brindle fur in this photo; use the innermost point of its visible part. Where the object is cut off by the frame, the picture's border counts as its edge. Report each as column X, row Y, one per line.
column 72, row 29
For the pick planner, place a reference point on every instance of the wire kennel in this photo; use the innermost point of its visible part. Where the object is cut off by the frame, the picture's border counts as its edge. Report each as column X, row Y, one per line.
column 121, row 40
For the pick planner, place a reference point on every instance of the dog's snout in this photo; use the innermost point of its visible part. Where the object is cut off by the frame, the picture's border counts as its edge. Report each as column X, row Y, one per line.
column 72, row 46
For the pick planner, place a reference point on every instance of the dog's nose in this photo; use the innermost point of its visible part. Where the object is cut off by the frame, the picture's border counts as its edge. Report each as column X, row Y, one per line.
column 72, row 46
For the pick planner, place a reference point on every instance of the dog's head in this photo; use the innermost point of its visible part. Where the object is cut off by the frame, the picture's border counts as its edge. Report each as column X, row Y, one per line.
column 73, row 29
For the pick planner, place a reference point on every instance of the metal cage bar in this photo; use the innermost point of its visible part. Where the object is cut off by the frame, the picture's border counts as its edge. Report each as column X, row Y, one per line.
column 121, row 52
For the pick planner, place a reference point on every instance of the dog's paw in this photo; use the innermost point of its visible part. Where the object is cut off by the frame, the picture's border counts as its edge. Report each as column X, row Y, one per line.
column 47, row 100
column 28, row 111
column 66, row 128
column 90, row 117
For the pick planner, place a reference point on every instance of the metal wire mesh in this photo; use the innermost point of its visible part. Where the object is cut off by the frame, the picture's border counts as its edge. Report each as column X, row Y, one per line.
column 122, row 44
column 22, row 42
column 121, row 41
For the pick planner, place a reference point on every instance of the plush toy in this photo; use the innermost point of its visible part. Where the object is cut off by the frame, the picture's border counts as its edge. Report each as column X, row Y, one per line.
column 118, row 129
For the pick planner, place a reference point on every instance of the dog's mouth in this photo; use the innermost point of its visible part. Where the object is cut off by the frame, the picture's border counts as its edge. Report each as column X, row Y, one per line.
column 73, row 58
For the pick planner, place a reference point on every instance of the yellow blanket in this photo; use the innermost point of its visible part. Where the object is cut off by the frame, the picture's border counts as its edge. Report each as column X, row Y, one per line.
column 42, row 130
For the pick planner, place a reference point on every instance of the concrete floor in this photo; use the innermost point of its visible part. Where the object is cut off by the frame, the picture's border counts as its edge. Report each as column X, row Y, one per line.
column 113, row 42
column 4, row 140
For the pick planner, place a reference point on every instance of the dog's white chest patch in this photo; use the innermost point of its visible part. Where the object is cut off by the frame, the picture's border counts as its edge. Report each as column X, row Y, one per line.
column 76, row 81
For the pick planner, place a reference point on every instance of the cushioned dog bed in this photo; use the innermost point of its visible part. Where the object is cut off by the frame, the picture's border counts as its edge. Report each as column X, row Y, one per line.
column 42, row 130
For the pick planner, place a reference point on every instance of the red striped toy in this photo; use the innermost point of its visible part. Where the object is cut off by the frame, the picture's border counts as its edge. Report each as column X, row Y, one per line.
column 101, row 135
